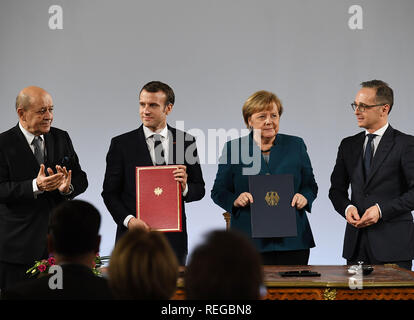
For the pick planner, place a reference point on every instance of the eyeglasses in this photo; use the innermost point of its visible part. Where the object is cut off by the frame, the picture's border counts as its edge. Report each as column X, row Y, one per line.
column 362, row 107
column 44, row 110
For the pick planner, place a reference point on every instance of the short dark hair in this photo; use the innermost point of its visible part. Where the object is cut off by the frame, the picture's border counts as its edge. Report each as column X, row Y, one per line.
column 155, row 86
column 384, row 93
column 225, row 266
column 74, row 227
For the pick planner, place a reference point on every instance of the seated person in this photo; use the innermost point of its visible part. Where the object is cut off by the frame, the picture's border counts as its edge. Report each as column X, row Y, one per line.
column 143, row 266
column 74, row 241
column 225, row 266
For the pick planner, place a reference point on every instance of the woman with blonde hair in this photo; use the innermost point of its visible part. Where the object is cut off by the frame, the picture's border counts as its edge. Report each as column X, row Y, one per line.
column 143, row 266
column 277, row 153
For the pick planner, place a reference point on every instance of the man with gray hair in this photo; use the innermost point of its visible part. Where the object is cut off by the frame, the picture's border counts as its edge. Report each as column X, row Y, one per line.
column 38, row 170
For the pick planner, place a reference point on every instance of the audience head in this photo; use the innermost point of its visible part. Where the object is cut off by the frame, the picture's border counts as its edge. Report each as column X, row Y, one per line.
column 225, row 266
column 143, row 266
column 74, row 230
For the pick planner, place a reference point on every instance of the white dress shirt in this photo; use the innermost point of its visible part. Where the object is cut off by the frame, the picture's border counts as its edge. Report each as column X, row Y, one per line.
column 149, row 138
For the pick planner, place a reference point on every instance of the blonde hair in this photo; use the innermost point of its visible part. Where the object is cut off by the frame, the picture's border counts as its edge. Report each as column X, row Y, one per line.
column 258, row 102
column 143, row 266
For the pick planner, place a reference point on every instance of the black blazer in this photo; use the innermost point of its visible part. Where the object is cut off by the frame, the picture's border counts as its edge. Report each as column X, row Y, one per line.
column 130, row 150
column 78, row 283
column 390, row 183
column 23, row 218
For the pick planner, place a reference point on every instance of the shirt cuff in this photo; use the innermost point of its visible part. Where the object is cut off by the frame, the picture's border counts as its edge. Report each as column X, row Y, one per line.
column 69, row 192
column 36, row 190
column 379, row 209
column 346, row 209
column 185, row 190
column 126, row 220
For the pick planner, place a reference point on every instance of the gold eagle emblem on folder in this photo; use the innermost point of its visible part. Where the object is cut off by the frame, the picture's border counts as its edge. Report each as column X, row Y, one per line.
column 272, row 198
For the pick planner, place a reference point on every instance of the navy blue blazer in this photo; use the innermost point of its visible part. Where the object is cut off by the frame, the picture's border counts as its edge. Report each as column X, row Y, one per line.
column 288, row 155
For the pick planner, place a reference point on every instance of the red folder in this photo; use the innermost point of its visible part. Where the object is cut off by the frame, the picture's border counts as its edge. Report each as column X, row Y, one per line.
column 159, row 198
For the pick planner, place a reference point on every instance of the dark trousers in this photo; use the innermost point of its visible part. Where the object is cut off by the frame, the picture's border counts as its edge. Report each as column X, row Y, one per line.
column 292, row 257
column 11, row 274
column 364, row 254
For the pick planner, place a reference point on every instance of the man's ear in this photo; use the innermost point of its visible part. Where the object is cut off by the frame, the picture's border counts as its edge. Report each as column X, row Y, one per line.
column 168, row 108
column 21, row 113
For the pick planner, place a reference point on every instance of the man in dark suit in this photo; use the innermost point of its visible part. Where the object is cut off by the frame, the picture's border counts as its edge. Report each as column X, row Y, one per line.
column 38, row 169
column 153, row 143
column 74, row 242
column 378, row 164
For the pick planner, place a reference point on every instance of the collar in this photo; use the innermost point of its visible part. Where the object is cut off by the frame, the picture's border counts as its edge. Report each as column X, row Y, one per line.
column 149, row 133
column 380, row 132
column 28, row 135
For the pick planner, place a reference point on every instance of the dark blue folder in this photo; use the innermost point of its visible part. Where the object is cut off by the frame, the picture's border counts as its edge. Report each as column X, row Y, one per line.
column 271, row 212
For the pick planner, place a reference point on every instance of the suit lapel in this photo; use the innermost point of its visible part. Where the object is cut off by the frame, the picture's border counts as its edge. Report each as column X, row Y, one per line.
column 250, row 151
column 172, row 146
column 357, row 157
column 50, row 148
column 277, row 154
column 141, row 148
column 383, row 150
column 24, row 149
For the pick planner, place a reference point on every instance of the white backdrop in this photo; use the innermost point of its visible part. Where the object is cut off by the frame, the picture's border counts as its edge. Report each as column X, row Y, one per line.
column 93, row 57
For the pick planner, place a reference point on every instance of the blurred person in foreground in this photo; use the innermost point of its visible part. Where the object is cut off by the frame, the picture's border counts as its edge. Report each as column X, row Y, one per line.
column 225, row 266
column 143, row 266
column 74, row 242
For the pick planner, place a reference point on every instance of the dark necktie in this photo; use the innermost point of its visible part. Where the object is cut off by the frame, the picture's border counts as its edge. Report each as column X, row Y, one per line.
column 37, row 144
column 369, row 151
column 158, row 150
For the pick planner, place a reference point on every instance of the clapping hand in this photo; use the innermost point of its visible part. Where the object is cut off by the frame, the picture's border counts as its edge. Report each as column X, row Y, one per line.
column 49, row 182
column 64, row 187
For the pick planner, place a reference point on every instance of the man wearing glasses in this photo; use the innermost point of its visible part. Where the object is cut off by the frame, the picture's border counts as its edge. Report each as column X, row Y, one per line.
column 38, row 169
column 378, row 164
